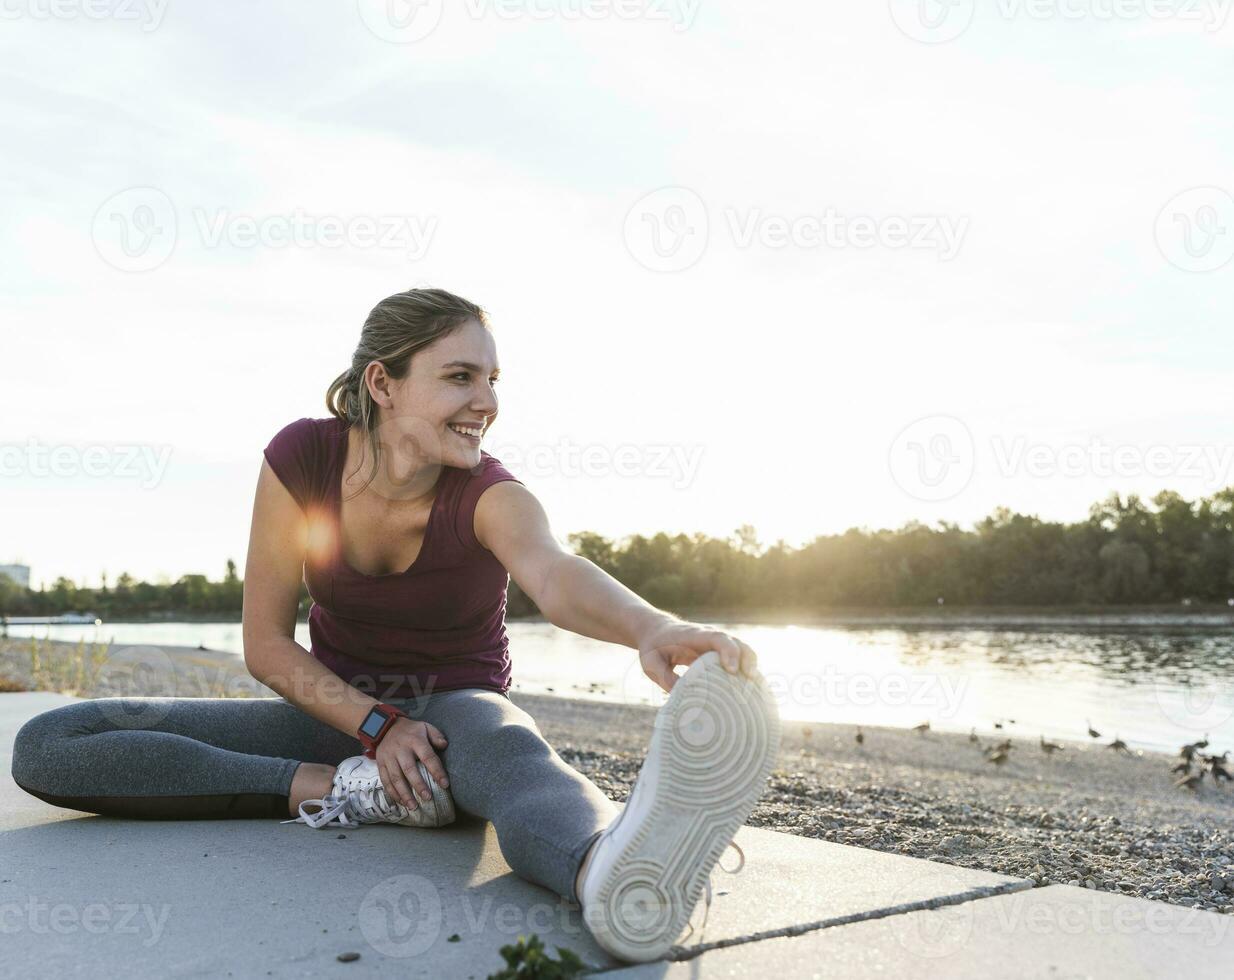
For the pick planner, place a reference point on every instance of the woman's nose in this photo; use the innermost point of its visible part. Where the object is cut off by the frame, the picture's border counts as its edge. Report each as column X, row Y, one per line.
column 486, row 403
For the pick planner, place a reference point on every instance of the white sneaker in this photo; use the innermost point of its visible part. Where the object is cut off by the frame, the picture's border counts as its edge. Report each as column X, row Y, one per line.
column 714, row 745
column 359, row 798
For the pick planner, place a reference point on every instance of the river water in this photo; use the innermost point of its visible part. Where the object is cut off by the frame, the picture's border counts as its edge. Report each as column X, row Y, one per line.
column 1155, row 684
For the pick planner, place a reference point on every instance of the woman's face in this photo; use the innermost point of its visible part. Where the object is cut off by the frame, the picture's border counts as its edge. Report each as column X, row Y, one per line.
column 451, row 386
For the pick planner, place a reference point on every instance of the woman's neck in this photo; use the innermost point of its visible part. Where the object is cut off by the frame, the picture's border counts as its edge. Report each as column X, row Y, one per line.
column 398, row 480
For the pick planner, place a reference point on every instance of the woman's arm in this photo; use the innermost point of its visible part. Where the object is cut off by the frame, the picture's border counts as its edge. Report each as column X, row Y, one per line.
column 278, row 543
column 572, row 592
column 575, row 594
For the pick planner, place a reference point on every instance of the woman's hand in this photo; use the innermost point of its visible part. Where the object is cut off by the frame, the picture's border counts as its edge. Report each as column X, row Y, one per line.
column 682, row 643
column 406, row 742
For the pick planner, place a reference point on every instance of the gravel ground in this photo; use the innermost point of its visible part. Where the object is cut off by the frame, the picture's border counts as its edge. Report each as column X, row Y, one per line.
column 1086, row 815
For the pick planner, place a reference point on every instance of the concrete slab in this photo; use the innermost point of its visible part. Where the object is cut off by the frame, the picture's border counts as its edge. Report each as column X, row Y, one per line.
column 85, row 894
column 19, row 809
column 1054, row 932
column 88, row 895
column 792, row 883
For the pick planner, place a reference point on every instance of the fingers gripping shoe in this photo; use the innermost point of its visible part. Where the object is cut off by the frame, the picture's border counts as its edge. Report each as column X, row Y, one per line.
column 358, row 797
column 714, row 745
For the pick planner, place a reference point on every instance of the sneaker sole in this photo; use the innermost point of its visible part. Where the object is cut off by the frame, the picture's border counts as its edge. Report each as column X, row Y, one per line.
column 716, row 738
column 442, row 805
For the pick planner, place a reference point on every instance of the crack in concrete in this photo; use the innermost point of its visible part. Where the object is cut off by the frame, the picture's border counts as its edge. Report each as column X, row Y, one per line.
column 679, row 954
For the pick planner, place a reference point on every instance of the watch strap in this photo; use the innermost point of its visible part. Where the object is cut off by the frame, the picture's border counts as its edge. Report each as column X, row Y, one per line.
column 370, row 742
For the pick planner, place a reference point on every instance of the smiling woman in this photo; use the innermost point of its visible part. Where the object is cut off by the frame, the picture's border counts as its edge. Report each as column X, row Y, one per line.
column 408, row 567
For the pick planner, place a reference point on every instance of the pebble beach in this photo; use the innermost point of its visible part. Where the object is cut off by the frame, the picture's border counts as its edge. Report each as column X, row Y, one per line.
column 1085, row 815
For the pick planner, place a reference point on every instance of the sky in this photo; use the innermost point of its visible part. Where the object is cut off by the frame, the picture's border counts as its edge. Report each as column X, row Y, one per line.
column 800, row 266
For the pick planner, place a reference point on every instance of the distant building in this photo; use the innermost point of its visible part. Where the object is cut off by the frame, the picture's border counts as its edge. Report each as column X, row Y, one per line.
column 18, row 573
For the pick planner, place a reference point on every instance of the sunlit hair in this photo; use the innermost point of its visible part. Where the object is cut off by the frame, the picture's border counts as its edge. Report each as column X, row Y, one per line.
column 396, row 328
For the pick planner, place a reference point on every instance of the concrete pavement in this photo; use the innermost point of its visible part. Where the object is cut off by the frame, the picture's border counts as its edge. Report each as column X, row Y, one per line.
column 82, row 894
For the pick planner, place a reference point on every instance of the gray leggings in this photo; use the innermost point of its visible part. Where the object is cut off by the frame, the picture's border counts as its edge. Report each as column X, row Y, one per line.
column 204, row 758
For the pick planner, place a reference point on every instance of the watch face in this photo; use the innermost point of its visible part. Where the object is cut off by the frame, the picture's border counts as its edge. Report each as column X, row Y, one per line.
column 372, row 724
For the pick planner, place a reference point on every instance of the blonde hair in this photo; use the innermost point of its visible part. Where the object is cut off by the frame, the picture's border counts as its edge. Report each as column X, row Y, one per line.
column 396, row 328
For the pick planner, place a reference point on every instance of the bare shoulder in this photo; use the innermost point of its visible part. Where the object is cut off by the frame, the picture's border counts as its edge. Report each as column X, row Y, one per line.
column 506, row 509
column 511, row 523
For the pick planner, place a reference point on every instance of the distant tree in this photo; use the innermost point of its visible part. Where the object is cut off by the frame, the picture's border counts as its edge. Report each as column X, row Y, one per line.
column 10, row 593
column 1126, row 572
column 746, row 540
column 1125, row 550
column 593, row 547
column 64, row 595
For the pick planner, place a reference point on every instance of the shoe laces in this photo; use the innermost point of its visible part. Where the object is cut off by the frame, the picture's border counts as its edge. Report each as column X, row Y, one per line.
column 707, row 907
column 351, row 809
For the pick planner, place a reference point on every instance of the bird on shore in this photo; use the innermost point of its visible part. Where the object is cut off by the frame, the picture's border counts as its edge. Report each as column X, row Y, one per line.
column 1191, row 782
column 1118, row 745
column 860, row 737
column 972, row 735
column 1002, row 748
column 1219, row 771
column 999, row 757
column 922, row 728
column 1049, row 748
column 1092, row 732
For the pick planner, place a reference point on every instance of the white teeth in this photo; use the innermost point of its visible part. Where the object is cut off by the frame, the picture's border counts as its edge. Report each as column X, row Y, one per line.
column 475, row 433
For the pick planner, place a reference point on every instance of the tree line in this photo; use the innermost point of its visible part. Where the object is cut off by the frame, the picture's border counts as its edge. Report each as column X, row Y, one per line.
column 1125, row 552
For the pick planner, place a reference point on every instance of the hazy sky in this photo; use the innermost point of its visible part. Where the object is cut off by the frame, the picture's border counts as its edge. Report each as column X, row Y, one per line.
column 799, row 265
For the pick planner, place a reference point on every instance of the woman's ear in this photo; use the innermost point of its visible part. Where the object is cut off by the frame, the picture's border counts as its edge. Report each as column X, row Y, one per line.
column 379, row 385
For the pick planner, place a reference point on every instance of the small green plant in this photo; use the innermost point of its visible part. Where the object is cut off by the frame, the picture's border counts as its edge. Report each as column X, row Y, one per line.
column 528, row 960
column 36, row 664
column 74, row 673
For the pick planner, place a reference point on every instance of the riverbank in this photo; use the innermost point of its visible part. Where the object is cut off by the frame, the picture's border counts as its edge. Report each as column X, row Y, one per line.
column 125, row 670
column 993, row 617
column 1085, row 815
column 984, row 617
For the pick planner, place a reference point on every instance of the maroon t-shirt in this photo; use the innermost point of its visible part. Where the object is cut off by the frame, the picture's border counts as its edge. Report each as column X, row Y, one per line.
column 437, row 626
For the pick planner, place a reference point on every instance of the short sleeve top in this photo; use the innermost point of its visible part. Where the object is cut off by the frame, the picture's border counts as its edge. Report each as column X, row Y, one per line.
column 438, row 625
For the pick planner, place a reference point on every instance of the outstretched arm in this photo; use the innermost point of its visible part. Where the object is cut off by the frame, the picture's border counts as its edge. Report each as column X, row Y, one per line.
column 575, row 594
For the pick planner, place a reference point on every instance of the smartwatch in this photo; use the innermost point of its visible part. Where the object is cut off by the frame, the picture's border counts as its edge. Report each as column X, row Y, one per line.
column 375, row 725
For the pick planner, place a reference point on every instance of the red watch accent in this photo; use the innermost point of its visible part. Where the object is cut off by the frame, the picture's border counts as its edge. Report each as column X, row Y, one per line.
column 375, row 725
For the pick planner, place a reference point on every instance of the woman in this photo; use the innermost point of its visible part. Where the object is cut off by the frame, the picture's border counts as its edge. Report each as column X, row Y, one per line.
column 407, row 534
